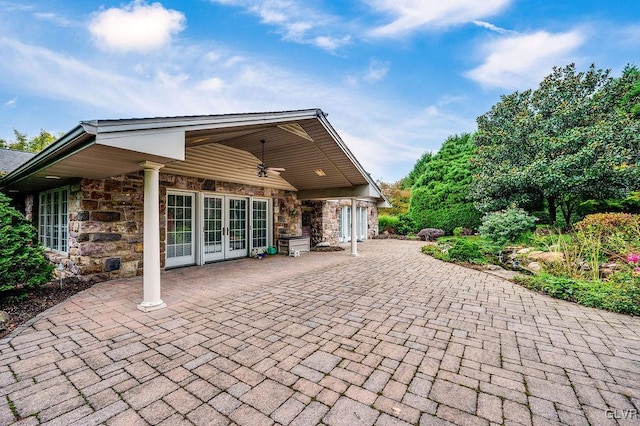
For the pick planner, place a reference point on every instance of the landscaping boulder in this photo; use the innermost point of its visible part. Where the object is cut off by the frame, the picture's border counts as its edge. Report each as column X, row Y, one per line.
column 4, row 320
column 534, row 267
column 430, row 234
column 545, row 256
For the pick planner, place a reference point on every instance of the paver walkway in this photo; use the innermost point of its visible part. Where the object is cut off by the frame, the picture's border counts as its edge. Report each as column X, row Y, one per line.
column 389, row 338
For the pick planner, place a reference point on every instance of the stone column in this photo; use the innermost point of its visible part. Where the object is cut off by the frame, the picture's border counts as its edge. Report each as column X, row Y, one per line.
column 151, row 272
column 354, row 228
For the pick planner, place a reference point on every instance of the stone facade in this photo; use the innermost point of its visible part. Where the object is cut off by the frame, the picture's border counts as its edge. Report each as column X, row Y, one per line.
column 105, row 228
column 323, row 219
column 106, row 221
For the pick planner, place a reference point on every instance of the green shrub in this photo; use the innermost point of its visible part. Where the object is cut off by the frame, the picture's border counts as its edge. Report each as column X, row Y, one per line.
column 620, row 294
column 398, row 225
column 22, row 262
column 440, row 187
column 461, row 249
column 436, row 251
column 506, row 226
column 405, row 225
column 446, row 218
column 465, row 250
column 388, row 223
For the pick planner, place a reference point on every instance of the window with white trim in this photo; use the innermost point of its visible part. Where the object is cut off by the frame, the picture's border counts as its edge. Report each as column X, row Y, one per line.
column 344, row 224
column 54, row 219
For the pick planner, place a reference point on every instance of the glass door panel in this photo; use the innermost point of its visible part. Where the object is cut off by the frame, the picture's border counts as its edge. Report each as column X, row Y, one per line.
column 237, row 227
column 213, row 228
column 180, row 221
column 259, row 224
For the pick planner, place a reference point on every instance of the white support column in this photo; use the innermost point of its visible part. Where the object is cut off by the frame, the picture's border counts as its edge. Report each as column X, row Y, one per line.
column 354, row 228
column 151, row 272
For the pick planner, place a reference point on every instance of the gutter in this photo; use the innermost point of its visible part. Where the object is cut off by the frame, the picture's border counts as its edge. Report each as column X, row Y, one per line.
column 70, row 143
column 196, row 122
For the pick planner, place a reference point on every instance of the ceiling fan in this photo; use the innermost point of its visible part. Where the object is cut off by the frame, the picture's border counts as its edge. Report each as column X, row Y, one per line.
column 263, row 170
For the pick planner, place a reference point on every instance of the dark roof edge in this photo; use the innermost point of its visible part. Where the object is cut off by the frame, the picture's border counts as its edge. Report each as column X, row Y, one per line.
column 66, row 145
column 119, row 125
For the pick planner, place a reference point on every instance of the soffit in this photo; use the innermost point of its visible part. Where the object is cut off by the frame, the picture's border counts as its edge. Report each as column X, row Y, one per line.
column 300, row 154
column 231, row 152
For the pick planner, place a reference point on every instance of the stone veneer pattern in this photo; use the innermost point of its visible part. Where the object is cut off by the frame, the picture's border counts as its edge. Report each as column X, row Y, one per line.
column 106, row 221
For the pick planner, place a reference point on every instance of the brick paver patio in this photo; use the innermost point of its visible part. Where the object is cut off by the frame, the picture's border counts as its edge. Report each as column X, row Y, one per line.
column 392, row 337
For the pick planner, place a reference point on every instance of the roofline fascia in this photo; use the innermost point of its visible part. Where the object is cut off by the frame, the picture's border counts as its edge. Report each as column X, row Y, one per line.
column 190, row 123
column 48, row 156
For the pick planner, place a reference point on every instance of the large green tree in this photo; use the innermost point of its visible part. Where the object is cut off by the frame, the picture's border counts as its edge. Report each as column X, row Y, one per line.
column 439, row 195
column 22, row 142
column 417, row 171
column 572, row 139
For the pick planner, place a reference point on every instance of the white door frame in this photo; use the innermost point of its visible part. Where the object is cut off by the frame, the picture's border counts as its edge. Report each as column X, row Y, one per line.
column 216, row 231
column 236, row 240
column 199, row 255
column 180, row 242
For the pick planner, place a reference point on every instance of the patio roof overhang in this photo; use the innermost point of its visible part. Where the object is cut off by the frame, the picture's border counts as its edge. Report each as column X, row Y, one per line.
column 317, row 163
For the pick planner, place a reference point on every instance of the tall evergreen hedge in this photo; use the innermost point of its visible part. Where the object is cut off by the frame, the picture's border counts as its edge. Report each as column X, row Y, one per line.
column 440, row 194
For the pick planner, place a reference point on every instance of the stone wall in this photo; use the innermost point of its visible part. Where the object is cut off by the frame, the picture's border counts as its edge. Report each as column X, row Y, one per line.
column 330, row 222
column 105, row 227
column 325, row 225
column 106, row 221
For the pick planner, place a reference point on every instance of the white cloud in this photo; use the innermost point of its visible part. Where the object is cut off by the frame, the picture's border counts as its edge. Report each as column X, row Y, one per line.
column 412, row 15
column 296, row 21
column 492, row 27
column 331, row 44
column 386, row 137
column 377, row 70
column 11, row 103
column 521, row 61
column 213, row 84
column 136, row 27
column 52, row 17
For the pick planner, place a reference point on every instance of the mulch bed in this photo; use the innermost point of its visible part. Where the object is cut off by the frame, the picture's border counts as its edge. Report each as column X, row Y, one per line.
column 36, row 301
column 330, row 248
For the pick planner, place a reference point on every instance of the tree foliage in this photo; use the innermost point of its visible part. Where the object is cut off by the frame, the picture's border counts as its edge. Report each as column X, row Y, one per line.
column 417, row 171
column 398, row 196
column 22, row 142
column 439, row 195
column 572, row 139
column 22, row 261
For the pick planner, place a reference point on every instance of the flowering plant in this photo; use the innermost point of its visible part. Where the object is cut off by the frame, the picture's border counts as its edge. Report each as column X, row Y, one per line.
column 633, row 258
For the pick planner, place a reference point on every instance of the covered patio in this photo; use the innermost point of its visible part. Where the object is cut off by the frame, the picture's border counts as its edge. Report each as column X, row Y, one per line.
column 390, row 337
column 296, row 155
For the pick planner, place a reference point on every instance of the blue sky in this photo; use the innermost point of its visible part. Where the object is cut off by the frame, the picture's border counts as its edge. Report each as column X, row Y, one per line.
column 396, row 77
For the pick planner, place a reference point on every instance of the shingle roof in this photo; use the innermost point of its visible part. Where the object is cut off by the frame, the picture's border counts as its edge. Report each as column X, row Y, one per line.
column 11, row 159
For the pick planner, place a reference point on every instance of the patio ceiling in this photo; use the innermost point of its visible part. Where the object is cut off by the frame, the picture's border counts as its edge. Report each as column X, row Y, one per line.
column 222, row 147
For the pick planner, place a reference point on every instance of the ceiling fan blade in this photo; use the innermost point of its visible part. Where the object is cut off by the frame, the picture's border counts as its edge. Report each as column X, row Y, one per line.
column 276, row 169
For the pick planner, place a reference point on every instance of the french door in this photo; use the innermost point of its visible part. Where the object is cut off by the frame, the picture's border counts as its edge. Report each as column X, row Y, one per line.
column 205, row 228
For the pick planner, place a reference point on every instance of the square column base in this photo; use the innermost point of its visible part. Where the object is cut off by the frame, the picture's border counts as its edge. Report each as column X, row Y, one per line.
column 154, row 306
